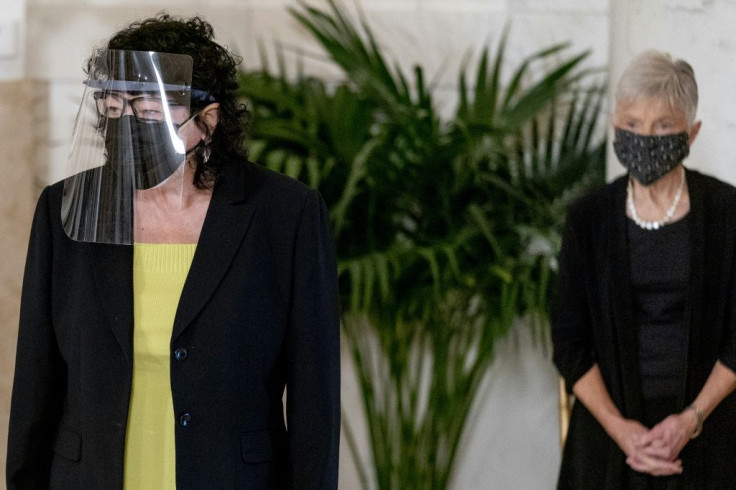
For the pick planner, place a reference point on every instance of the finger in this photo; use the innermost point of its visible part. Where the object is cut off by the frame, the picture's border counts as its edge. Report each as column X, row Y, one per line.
column 652, row 466
column 663, row 452
column 657, row 471
column 652, row 442
column 662, row 449
column 648, row 463
column 661, row 471
column 646, row 438
column 665, row 449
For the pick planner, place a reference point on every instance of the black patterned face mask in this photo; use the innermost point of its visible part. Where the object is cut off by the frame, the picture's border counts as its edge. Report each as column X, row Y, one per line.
column 146, row 148
column 648, row 158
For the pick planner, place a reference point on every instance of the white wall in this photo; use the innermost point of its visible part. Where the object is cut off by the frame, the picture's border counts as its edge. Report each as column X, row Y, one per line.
column 702, row 33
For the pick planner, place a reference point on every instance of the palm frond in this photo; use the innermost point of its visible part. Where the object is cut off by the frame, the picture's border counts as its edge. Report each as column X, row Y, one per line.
column 446, row 230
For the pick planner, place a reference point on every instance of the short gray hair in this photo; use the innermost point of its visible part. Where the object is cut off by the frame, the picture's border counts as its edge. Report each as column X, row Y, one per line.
column 655, row 74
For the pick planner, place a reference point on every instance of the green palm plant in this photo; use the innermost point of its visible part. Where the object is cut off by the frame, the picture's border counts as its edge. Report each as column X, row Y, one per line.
column 446, row 231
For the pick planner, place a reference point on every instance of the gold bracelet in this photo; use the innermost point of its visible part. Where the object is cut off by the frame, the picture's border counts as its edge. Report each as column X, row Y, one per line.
column 699, row 417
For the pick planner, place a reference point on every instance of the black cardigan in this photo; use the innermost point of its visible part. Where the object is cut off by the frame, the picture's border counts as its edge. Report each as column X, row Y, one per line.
column 592, row 322
column 258, row 312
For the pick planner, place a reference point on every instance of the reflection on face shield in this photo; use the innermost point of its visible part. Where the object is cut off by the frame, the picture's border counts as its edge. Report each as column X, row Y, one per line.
column 125, row 139
column 146, row 147
column 146, row 107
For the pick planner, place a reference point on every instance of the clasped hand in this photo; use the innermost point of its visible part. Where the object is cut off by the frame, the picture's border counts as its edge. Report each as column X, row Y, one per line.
column 655, row 451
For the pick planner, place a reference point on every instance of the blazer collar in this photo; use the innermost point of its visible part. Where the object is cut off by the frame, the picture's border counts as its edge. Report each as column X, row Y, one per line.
column 225, row 225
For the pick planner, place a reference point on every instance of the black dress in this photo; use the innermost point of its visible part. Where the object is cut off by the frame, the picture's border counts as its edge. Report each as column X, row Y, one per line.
column 660, row 272
column 594, row 321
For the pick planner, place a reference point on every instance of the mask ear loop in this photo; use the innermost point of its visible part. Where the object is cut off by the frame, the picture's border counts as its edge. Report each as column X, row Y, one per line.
column 182, row 180
column 202, row 149
column 203, row 146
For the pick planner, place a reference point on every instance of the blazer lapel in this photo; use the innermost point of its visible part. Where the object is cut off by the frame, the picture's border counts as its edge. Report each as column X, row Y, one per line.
column 112, row 267
column 623, row 305
column 225, row 226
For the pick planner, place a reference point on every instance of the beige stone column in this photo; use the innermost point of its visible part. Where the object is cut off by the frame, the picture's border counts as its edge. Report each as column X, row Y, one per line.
column 17, row 200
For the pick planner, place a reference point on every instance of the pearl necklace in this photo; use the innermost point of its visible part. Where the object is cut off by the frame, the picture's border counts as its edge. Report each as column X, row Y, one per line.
column 653, row 225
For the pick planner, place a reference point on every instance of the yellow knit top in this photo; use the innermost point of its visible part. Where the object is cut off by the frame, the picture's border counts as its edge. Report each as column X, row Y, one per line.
column 159, row 272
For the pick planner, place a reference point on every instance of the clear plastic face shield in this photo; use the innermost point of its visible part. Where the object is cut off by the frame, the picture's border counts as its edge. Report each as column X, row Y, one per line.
column 126, row 140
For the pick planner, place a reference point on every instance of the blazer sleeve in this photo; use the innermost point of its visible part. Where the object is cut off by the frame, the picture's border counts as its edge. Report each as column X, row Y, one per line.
column 39, row 383
column 727, row 351
column 313, row 354
column 570, row 316
column 727, row 354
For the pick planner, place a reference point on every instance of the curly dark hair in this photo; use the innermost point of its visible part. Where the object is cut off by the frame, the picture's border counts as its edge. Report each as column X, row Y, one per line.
column 214, row 72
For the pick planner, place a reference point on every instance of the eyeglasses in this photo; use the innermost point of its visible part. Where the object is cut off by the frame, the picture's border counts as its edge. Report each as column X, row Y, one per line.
column 146, row 108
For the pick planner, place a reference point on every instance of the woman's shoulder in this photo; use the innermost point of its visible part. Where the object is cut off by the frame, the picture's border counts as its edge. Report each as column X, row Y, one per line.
column 710, row 186
column 597, row 202
column 257, row 183
column 712, row 197
column 274, row 179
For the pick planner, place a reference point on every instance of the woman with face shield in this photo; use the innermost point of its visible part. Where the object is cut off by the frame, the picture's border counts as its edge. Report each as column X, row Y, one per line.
column 644, row 318
column 174, row 291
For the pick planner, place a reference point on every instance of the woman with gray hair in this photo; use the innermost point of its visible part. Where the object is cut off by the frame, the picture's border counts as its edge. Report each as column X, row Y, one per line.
column 644, row 317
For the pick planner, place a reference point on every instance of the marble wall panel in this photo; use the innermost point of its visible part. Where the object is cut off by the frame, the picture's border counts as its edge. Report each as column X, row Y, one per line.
column 534, row 31
column 58, row 50
column 274, row 32
column 463, row 5
column 567, row 6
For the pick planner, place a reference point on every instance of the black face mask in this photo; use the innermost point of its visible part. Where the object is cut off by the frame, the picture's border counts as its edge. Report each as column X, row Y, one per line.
column 146, row 148
column 648, row 158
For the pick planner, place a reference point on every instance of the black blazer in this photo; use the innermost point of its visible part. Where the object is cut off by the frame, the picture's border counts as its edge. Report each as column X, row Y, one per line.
column 258, row 312
column 593, row 322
